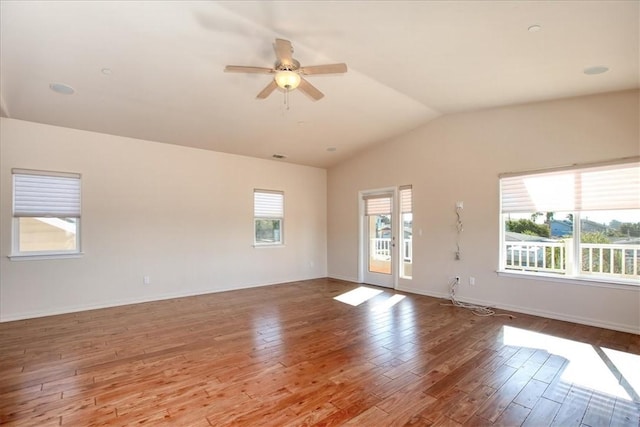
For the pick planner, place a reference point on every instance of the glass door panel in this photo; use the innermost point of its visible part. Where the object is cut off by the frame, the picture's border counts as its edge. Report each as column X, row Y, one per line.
column 378, row 240
column 380, row 244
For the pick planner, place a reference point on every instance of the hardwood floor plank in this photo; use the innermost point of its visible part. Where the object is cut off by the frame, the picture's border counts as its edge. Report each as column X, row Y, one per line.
column 599, row 411
column 520, row 357
column 550, row 368
column 573, row 408
column 625, row 413
column 504, row 354
column 357, row 407
column 542, row 414
column 470, row 404
column 513, row 415
column 292, row 355
column 400, row 399
column 477, row 421
column 371, row 417
column 504, row 395
column 404, row 410
column 313, row 415
column 455, row 376
column 499, row 377
column 531, row 393
column 418, row 421
column 390, row 387
column 444, row 405
column 558, row 388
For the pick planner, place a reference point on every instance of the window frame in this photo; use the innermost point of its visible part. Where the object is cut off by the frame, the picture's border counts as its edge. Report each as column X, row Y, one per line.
column 405, row 200
column 577, row 277
column 54, row 213
column 268, row 213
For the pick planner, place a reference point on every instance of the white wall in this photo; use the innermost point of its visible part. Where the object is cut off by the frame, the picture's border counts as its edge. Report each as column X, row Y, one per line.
column 458, row 157
column 182, row 216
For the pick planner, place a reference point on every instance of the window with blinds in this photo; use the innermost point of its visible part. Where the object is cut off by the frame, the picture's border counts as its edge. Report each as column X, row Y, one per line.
column 268, row 212
column 581, row 221
column 607, row 187
column 406, row 199
column 46, row 212
column 377, row 205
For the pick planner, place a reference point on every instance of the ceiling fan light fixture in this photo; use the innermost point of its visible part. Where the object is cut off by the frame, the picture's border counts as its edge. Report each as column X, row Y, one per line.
column 287, row 80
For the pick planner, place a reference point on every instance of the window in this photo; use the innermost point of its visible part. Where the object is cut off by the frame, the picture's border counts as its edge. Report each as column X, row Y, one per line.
column 406, row 219
column 46, row 213
column 268, row 217
column 581, row 222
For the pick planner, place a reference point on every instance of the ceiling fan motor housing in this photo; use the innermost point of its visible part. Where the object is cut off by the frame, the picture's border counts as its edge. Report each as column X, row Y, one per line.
column 293, row 66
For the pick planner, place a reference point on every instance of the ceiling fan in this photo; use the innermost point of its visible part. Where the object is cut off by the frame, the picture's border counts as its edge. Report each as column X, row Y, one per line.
column 288, row 74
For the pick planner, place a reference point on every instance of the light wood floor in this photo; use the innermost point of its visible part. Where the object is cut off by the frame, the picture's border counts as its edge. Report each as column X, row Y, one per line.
column 291, row 355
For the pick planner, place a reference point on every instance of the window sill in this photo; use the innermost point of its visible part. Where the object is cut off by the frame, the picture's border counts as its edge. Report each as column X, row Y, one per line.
column 601, row 282
column 269, row 245
column 37, row 257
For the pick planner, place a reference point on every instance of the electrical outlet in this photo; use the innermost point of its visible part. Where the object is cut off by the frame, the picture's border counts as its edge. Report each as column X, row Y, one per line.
column 472, row 281
column 146, row 280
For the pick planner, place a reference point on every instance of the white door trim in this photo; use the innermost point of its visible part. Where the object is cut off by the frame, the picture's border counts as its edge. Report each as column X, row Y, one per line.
column 363, row 243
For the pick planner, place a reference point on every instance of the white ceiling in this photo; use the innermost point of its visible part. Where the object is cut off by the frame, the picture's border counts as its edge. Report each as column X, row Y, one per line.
column 409, row 62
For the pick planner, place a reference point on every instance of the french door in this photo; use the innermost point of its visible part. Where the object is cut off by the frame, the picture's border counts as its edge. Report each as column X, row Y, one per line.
column 378, row 239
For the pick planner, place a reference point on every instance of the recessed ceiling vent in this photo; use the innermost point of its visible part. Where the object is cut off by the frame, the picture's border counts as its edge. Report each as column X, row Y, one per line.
column 596, row 69
column 62, row 88
column 279, row 156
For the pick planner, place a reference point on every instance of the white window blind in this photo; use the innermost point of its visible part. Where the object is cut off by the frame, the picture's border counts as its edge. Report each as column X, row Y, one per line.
column 603, row 187
column 268, row 204
column 406, row 199
column 46, row 194
column 377, row 205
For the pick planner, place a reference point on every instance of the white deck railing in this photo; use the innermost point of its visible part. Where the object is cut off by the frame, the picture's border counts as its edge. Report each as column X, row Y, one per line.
column 556, row 257
column 407, row 253
column 619, row 260
column 549, row 257
column 381, row 249
column 536, row 256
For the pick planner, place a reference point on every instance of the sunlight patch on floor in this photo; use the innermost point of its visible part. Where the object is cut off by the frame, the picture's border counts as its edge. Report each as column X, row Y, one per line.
column 358, row 296
column 388, row 303
column 608, row 371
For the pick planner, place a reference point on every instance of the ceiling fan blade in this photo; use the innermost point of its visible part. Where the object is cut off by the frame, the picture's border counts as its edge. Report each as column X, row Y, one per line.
column 310, row 89
column 324, row 69
column 284, row 51
column 267, row 90
column 243, row 69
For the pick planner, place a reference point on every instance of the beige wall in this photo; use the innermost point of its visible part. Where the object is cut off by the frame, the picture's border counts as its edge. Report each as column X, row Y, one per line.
column 458, row 158
column 182, row 216
column 202, row 203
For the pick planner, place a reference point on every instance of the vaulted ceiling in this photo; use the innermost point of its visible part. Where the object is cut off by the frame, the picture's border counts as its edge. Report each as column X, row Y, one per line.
column 154, row 69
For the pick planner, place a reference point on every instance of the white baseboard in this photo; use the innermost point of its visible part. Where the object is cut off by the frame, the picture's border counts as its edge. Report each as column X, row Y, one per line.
column 346, row 279
column 633, row 329
column 117, row 303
